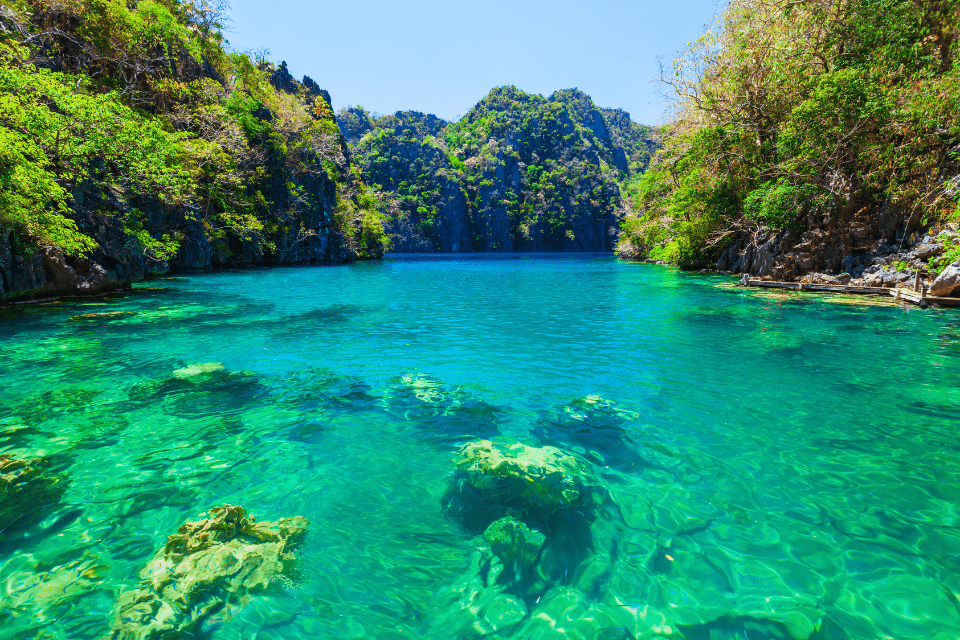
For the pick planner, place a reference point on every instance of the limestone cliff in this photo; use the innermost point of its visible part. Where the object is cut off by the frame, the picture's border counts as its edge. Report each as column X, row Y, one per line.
column 519, row 172
column 878, row 246
column 121, row 162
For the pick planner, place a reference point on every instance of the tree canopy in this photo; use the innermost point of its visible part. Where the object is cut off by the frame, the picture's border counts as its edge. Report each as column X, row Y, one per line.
column 790, row 113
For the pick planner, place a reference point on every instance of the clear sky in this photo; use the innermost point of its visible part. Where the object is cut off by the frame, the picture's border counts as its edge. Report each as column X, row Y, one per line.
column 441, row 57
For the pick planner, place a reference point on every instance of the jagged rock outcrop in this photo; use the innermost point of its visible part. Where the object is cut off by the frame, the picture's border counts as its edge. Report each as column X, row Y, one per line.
column 120, row 259
column 283, row 80
column 878, row 249
column 204, row 566
column 948, row 282
column 519, row 172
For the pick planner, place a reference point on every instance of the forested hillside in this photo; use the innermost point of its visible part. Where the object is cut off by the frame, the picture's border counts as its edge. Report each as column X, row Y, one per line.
column 519, row 172
column 810, row 136
column 132, row 141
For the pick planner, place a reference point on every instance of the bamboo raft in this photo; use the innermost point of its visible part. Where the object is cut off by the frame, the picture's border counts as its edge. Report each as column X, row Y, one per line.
column 915, row 294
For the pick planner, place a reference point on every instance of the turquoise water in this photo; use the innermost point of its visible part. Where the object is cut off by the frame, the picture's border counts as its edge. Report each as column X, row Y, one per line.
column 771, row 466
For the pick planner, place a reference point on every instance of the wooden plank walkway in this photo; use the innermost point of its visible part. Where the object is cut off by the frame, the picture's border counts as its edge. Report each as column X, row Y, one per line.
column 902, row 292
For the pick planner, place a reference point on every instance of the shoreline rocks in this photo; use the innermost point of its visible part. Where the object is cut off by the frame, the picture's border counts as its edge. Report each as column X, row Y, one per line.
column 889, row 259
column 948, row 282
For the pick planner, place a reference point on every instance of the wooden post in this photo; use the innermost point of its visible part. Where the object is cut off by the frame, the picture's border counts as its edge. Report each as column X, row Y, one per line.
column 916, row 281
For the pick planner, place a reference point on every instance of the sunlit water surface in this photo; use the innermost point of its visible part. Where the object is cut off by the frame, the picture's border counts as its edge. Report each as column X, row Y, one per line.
column 774, row 466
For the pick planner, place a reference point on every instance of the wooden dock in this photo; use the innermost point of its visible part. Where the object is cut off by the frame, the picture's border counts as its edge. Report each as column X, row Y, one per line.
column 914, row 294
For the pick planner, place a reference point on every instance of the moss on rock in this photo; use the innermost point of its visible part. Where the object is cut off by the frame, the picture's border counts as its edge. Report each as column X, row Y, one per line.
column 493, row 480
column 204, row 566
column 514, row 543
column 196, row 370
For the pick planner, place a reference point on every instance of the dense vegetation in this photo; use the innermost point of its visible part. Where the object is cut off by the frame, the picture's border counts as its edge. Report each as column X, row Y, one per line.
column 803, row 117
column 135, row 113
column 519, row 172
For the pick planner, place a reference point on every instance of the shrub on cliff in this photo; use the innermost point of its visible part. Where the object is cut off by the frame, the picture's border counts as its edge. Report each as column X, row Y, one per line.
column 139, row 107
column 56, row 131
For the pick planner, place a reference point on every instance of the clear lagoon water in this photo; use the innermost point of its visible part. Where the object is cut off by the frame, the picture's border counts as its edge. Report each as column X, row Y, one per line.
column 771, row 465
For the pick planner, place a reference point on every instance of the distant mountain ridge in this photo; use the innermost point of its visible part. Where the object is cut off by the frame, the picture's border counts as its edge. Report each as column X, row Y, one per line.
column 519, row 172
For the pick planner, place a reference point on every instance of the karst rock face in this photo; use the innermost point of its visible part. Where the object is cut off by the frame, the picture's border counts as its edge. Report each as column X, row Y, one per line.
column 276, row 206
column 519, row 172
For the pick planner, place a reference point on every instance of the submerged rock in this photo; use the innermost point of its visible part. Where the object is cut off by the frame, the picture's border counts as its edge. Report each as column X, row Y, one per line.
column 25, row 490
column 515, row 545
column 191, row 390
column 54, row 404
column 564, row 613
column 424, row 389
column 197, row 370
column 531, row 508
column 545, row 475
column 489, row 596
column 493, row 480
column 35, row 591
column 204, row 566
column 440, row 413
column 109, row 315
column 603, row 434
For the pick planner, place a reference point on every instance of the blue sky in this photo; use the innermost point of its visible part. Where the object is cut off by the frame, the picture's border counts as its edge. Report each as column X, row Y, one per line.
column 442, row 57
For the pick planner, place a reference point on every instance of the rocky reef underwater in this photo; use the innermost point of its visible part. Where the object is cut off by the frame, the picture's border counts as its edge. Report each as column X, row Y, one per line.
column 557, row 542
column 203, row 568
column 408, row 506
column 553, row 556
column 557, row 559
